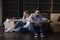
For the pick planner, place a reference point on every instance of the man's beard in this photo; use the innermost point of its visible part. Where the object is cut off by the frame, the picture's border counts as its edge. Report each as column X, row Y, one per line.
column 37, row 15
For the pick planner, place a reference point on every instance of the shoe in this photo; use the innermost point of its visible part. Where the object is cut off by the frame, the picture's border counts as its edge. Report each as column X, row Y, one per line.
column 14, row 29
column 9, row 30
column 36, row 35
column 41, row 35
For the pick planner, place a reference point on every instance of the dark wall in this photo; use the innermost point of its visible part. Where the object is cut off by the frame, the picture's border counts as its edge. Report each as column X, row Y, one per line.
column 0, row 12
column 15, row 8
column 12, row 8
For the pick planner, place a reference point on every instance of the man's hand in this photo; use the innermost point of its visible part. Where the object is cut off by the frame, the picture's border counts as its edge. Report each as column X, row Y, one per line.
column 32, row 21
column 38, row 24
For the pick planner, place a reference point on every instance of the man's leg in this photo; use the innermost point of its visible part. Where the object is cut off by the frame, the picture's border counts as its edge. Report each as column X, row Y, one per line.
column 33, row 28
column 42, row 31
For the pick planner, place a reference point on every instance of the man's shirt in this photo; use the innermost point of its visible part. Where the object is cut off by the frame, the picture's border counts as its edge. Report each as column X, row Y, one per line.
column 39, row 18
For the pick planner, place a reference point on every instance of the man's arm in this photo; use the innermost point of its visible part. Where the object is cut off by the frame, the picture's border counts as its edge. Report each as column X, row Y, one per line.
column 32, row 21
column 44, row 20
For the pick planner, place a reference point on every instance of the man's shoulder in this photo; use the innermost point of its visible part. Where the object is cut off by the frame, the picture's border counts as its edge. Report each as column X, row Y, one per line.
column 32, row 14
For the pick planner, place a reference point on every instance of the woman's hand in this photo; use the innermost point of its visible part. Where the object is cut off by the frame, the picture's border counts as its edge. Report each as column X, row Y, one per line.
column 24, row 20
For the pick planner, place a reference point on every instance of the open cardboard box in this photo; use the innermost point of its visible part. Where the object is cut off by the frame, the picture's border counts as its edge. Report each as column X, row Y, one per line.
column 55, row 24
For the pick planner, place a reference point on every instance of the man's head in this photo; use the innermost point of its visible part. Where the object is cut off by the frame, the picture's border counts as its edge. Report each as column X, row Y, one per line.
column 37, row 12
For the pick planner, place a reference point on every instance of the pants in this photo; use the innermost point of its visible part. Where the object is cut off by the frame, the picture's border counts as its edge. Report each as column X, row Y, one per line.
column 19, row 29
column 19, row 23
column 36, row 29
column 19, row 26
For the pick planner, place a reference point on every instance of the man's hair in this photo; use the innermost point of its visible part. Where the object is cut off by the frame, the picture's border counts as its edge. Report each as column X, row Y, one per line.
column 36, row 10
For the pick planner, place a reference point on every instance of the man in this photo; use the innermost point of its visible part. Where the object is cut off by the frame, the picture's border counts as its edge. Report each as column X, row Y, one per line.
column 37, row 23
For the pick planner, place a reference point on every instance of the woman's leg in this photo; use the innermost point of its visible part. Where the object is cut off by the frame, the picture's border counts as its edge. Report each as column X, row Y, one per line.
column 18, row 24
column 19, row 29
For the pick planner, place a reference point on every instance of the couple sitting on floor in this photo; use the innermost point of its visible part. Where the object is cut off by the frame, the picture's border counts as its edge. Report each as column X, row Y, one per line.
column 33, row 22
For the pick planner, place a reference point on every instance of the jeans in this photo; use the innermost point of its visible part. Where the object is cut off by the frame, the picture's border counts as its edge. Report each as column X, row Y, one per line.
column 19, row 26
column 19, row 29
column 19, row 23
column 36, row 29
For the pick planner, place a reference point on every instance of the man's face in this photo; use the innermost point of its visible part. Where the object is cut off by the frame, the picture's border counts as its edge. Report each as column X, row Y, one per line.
column 37, row 12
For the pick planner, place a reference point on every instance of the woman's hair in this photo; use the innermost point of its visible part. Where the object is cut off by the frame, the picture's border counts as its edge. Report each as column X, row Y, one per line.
column 25, row 12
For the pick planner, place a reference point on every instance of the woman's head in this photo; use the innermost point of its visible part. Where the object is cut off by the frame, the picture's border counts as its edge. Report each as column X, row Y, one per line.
column 26, row 13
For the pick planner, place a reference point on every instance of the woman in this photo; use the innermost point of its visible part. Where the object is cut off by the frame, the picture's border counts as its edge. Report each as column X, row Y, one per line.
column 21, row 25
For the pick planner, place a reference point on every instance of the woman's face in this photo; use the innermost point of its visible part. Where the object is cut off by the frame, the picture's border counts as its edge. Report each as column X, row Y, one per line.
column 26, row 14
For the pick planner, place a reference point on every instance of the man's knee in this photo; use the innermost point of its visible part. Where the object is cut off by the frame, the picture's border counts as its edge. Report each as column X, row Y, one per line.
column 31, row 24
column 43, row 24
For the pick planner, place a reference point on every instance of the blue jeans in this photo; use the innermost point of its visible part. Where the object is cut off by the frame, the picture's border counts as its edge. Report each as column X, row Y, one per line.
column 19, row 26
column 19, row 29
column 19, row 23
column 36, row 29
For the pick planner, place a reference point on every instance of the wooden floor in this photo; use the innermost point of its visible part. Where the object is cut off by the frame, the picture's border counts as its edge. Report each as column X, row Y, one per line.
column 27, row 36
